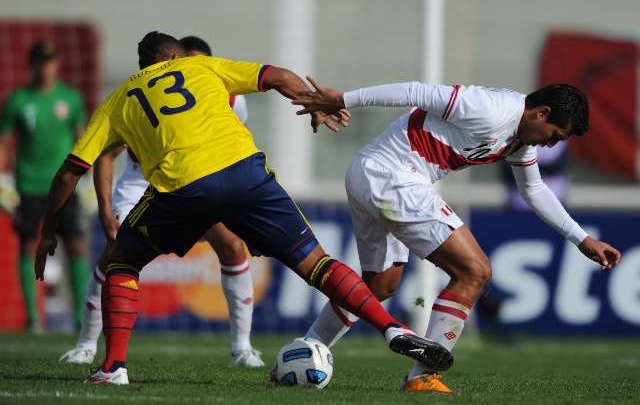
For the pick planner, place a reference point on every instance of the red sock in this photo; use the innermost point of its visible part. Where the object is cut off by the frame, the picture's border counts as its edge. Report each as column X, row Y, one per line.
column 346, row 289
column 119, row 310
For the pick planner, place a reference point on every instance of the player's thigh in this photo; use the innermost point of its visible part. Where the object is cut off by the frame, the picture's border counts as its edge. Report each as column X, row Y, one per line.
column 227, row 245
column 72, row 228
column 378, row 249
column 461, row 256
column 420, row 218
column 269, row 221
column 162, row 223
column 27, row 220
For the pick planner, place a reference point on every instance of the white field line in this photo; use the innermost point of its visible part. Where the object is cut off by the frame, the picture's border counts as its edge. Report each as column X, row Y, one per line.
column 99, row 397
column 178, row 350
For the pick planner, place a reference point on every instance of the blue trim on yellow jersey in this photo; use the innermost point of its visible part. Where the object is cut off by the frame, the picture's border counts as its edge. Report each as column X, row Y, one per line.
column 77, row 161
column 261, row 76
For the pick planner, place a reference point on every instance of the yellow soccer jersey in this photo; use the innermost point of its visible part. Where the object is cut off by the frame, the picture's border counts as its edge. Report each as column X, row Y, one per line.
column 175, row 117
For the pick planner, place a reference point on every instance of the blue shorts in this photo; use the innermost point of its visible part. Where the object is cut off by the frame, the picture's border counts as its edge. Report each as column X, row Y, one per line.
column 244, row 196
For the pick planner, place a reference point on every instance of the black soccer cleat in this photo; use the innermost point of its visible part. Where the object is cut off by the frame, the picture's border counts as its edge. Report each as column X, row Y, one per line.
column 432, row 354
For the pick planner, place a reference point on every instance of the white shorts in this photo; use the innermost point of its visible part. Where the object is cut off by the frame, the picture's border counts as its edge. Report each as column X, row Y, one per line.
column 394, row 213
column 125, row 196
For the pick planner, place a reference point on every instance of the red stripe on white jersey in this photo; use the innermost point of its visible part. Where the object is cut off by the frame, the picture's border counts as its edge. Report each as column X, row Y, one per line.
column 437, row 152
column 452, row 101
column 232, row 101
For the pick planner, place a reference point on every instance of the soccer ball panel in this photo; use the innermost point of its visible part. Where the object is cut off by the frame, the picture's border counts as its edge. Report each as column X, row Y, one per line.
column 305, row 362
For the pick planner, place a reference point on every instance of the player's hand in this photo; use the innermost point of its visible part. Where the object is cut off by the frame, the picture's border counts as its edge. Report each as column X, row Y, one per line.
column 331, row 121
column 600, row 252
column 322, row 99
column 110, row 225
column 47, row 246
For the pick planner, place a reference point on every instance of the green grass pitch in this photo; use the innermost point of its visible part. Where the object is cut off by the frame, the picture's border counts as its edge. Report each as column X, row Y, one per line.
column 186, row 369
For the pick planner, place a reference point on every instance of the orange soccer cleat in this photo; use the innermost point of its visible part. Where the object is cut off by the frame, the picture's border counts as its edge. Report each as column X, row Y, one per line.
column 426, row 382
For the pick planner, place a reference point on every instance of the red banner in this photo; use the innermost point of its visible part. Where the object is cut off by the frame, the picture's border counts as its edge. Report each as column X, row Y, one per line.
column 606, row 70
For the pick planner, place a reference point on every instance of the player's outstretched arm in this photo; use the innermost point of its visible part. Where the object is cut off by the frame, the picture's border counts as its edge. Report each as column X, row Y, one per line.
column 292, row 86
column 62, row 187
column 434, row 98
column 103, row 181
column 546, row 206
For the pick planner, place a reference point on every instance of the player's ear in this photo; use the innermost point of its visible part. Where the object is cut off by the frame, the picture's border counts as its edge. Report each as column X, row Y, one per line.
column 543, row 112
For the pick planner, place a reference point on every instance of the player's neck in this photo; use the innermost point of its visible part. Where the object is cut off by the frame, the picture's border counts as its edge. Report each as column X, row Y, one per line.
column 42, row 84
column 522, row 119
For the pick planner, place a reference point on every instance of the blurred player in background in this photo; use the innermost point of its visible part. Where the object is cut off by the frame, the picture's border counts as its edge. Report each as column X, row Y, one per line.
column 47, row 117
column 203, row 168
column 395, row 210
column 237, row 283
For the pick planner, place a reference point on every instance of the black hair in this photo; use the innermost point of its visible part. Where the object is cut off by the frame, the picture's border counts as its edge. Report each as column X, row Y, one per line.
column 193, row 43
column 155, row 47
column 568, row 105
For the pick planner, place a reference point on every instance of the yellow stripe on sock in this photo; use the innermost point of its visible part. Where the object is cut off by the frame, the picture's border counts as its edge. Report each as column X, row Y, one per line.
column 131, row 284
column 120, row 266
column 317, row 267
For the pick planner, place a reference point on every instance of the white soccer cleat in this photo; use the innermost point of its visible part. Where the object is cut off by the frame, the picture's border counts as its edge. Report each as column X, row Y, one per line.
column 79, row 355
column 248, row 358
column 118, row 377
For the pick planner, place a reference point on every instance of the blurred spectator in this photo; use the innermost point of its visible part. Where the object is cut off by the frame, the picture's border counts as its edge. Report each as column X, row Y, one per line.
column 47, row 116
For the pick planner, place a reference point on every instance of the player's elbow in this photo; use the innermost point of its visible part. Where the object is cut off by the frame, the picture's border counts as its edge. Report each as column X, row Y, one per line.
column 70, row 173
column 278, row 78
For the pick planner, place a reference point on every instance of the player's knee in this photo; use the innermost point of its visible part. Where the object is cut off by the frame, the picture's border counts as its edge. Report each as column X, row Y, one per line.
column 383, row 285
column 382, row 291
column 232, row 251
column 28, row 247
column 76, row 247
column 478, row 272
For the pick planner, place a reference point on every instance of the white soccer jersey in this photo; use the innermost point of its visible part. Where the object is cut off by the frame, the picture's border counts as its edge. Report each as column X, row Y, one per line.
column 131, row 184
column 453, row 127
column 394, row 207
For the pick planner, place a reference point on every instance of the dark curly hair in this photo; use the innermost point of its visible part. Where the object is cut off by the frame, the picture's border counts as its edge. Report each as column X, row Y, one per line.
column 568, row 105
column 155, row 47
column 193, row 43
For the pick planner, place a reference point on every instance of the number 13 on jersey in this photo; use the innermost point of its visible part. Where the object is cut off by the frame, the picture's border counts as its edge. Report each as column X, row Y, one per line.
column 177, row 87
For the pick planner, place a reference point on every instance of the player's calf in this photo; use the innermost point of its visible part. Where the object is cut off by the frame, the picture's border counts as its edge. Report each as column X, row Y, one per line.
column 346, row 289
column 119, row 310
column 385, row 283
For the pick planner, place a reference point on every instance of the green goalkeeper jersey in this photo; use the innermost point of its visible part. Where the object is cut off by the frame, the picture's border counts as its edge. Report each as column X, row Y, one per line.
column 45, row 123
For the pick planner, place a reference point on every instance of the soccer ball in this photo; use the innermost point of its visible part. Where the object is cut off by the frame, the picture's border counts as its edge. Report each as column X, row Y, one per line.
column 304, row 361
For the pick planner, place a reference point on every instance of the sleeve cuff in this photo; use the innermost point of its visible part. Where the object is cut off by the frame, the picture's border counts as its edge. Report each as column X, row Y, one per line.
column 77, row 161
column 264, row 71
column 351, row 98
column 577, row 234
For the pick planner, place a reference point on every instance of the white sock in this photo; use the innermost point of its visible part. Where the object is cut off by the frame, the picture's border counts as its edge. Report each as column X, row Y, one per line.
column 237, row 285
column 445, row 324
column 331, row 324
column 92, row 315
